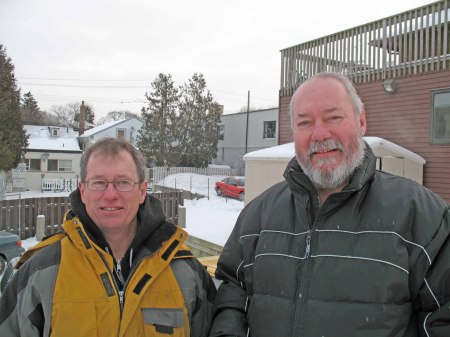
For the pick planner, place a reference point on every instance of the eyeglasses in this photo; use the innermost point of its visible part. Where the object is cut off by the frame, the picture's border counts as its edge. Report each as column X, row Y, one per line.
column 121, row 185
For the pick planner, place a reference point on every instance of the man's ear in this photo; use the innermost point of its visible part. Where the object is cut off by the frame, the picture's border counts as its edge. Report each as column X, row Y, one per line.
column 362, row 122
column 143, row 190
column 81, row 187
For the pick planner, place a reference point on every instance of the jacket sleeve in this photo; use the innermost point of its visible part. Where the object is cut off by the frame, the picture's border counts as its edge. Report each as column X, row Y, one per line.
column 202, row 313
column 434, row 295
column 199, row 292
column 230, row 317
column 22, row 308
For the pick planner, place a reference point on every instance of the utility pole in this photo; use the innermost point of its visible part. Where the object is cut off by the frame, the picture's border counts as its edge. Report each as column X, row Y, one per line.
column 246, row 126
column 81, row 119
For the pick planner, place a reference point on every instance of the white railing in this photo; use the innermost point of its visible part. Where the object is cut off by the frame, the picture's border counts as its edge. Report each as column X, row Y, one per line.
column 59, row 185
column 406, row 44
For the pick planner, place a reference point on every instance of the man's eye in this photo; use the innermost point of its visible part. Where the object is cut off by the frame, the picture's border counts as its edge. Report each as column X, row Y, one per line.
column 98, row 183
column 123, row 182
column 335, row 118
column 303, row 124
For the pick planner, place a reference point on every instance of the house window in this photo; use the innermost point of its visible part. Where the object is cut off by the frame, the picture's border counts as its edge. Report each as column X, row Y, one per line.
column 33, row 164
column 54, row 132
column 121, row 133
column 269, row 129
column 59, row 165
column 441, row 116
column 221, row 131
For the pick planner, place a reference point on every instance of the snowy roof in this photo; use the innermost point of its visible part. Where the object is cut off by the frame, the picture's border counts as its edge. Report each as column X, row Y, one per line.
column 102, row 127
column 40, row 139
column 287, row 151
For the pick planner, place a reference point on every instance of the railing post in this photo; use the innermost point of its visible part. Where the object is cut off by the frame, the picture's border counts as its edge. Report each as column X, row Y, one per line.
column 181, row 216
column 40, row 227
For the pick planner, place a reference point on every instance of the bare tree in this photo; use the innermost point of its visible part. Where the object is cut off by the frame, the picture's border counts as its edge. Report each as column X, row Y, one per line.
column 68, row 115
column 118, row 115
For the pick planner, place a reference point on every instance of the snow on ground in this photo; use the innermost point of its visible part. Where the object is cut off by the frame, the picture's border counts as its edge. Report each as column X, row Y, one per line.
column 211, row 218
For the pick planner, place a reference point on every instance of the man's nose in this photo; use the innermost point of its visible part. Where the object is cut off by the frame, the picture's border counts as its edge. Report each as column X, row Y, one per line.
column 110, row 190
column 320, row 132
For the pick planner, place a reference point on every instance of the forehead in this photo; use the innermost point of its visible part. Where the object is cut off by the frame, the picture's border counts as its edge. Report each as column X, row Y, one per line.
column 121, row 161
column 321, row 94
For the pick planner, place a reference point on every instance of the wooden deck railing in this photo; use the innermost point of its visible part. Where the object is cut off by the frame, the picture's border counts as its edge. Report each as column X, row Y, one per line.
column 406, row 44
column 20, row 215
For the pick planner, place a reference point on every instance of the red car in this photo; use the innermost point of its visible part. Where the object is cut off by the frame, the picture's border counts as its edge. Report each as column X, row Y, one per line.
column 231, row 187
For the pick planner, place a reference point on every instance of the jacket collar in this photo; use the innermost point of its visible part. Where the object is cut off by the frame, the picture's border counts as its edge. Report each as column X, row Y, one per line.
column 150, row 216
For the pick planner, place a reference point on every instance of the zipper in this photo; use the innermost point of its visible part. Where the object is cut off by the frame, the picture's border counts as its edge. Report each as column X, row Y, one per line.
column 308, row 244
column 121, row 300
column 303, row 285
column 120, row 293
column 118, row 267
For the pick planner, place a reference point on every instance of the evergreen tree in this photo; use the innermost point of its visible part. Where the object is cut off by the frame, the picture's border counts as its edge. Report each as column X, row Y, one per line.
column 199, row 117
column 13, row 140
column 31, row 114
column 156, row 137
column 89, row 113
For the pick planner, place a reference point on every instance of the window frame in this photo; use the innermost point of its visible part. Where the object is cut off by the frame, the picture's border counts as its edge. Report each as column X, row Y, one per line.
column 59, row 167
column 119, row 131
column 266, row 128
column 29, row 166
column 221, row 132
column 433, row 137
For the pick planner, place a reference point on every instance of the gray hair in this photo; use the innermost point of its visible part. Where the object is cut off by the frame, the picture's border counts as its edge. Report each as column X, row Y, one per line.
column 355, row 100
column 110, row 147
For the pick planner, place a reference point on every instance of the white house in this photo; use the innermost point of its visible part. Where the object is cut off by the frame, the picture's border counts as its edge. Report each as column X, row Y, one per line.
column 52, row 153
column 244, row 132
column 124, row 128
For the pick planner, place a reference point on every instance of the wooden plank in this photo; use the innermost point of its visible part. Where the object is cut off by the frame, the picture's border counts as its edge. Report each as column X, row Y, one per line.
column 210, row 263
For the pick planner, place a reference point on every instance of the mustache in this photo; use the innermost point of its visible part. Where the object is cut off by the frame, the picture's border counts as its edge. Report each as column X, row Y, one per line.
column 327, row 145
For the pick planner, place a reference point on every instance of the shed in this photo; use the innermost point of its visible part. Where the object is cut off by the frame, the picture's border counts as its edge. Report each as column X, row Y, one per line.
column 264, row 168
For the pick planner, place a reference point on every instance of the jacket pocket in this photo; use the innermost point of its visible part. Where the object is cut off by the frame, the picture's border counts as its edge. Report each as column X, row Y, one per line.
column 163, row 321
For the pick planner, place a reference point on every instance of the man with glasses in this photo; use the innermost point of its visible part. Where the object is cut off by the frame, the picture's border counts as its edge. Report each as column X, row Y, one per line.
column 118, row 269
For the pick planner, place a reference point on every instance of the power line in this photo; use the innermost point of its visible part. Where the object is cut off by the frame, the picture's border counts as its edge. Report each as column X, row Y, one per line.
column 114, row 87
column 84, row 86
column 84, row 80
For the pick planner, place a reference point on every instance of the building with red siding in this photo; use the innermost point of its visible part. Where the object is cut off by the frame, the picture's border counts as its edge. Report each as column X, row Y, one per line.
column 400, row 66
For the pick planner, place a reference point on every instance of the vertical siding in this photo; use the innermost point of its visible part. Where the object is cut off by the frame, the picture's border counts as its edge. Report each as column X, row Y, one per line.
column 285, row 132
column 402, row 118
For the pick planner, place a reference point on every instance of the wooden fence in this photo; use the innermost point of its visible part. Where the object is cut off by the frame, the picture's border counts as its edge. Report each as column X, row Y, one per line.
column 19, row 216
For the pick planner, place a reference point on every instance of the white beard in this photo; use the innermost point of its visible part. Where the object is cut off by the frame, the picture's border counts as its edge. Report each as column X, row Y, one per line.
column 337, row 177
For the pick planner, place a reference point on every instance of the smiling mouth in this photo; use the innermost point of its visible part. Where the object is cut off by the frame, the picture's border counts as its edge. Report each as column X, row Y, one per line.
column 325, row 151
column 321, row 148
column 110, row 208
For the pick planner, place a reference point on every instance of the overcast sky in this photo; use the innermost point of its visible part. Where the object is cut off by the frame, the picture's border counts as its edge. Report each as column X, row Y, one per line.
column 107, row 52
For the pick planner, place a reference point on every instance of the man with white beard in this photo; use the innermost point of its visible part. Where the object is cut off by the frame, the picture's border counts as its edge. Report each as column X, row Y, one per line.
column 338, row 248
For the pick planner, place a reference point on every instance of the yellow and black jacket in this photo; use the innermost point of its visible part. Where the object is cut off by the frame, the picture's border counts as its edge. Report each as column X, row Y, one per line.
column 67, row 287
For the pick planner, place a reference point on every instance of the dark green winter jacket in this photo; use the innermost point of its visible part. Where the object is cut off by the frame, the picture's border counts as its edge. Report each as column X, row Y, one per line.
column 373, row 260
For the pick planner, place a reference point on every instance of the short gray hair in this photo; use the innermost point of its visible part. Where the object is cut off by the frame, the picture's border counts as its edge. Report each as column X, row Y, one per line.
column 358, row 105
column 110, row 147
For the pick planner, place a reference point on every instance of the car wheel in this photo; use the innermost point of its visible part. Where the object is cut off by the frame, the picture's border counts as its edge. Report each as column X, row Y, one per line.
column 241, row 196
column 2, row 264
column 219, row 191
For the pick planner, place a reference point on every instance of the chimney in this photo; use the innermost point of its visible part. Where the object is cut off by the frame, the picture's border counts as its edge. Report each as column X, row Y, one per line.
column 81, row 119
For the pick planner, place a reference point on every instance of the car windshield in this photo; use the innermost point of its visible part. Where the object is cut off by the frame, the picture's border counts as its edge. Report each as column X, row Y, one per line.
column 241, row 182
